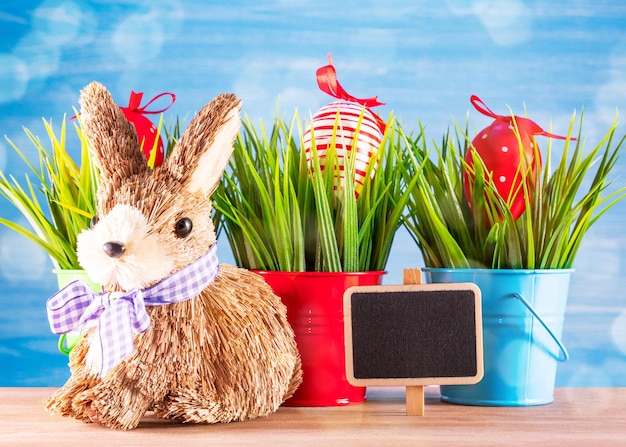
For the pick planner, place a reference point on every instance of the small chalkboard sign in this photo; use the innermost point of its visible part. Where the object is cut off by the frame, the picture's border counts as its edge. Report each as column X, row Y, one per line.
column 413, row 335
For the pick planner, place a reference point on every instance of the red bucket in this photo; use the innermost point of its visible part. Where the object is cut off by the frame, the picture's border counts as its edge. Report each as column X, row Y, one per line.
column 314, row 303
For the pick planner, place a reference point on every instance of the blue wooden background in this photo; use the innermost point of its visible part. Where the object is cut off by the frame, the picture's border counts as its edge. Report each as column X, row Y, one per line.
column 422, row 58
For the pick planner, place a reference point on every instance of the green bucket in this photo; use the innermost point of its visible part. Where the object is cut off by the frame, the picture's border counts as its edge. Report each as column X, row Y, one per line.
column 65, row 277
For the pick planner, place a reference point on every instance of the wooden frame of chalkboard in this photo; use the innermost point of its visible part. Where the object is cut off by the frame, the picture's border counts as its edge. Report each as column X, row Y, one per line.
column 416, row 334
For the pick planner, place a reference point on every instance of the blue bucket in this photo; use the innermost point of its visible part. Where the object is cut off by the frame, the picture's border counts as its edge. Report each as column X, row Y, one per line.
column 523, row 313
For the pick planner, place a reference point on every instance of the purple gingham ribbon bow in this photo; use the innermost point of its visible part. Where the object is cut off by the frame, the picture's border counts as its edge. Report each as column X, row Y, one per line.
column 120, row 314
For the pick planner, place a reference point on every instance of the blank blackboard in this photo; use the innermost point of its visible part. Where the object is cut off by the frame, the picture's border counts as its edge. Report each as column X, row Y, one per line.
column 413, row 334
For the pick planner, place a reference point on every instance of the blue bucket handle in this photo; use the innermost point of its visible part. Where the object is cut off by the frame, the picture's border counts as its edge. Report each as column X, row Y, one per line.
column 543, row 323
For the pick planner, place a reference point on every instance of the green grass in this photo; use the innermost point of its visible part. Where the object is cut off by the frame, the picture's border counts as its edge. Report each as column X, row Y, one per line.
column 279, row 214
column 568, row 197
column 57, row 195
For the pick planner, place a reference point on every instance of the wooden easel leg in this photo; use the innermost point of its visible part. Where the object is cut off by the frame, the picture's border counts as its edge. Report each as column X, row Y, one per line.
column 415, row 393
column 415, row 400
column 412, row 276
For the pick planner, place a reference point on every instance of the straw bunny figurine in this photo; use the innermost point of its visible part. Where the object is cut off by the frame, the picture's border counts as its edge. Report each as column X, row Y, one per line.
column 173, row 332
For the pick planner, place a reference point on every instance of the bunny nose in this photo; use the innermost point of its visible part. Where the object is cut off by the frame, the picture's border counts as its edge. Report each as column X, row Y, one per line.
column 114, row 249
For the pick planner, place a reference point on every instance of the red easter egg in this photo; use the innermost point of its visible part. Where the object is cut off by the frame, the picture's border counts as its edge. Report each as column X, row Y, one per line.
column 366, row 144
column 509, row 162
column 513, row 163
column 146, row 132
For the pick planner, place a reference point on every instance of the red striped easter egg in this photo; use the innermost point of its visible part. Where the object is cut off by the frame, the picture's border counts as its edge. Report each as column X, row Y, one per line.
column 340, row 120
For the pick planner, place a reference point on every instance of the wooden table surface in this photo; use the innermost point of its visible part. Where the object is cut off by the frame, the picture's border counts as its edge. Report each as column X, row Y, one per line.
column 577, row 417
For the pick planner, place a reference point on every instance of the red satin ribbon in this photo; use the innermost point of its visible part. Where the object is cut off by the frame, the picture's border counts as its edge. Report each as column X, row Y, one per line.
column 524, row 123
column 135, row 101
column 328, row 83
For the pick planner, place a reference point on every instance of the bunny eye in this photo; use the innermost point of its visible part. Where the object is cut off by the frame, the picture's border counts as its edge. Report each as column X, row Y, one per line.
column 183, row 227
column 94, row 220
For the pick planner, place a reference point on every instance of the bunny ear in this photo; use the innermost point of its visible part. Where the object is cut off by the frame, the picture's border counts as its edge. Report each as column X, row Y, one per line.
column 203, row 152
column 113, row 139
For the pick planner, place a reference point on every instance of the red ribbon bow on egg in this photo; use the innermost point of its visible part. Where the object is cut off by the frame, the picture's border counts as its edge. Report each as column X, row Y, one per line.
column 328, row 83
